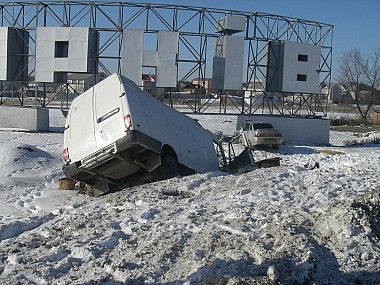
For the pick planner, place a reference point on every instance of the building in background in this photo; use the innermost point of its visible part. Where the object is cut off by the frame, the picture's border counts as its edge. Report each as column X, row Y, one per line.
column 205, row 84
column 148, row 84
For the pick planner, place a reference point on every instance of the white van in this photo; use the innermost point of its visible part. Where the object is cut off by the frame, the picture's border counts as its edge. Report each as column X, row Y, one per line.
column 117, row 135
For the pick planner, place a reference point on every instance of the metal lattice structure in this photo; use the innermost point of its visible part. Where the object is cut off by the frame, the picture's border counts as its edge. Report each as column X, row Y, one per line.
column 197, row 34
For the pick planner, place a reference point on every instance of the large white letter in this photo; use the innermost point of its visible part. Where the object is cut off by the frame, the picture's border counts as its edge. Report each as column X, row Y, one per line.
column 164, row 59
column 65, row 49
column 293, row 67
column 133, row 45
column 227, row 72
column 227, row 69
column 13, row 54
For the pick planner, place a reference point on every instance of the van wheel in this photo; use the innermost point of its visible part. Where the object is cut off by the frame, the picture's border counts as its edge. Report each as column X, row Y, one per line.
column 169, row 167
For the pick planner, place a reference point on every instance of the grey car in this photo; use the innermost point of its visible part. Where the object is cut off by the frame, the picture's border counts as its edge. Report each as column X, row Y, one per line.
column 260, row 133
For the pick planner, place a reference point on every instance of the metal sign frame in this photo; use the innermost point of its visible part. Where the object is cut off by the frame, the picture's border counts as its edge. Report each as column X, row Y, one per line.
column 197, row 32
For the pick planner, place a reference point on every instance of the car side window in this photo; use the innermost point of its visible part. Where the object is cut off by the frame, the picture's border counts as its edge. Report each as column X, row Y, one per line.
column 246, row 127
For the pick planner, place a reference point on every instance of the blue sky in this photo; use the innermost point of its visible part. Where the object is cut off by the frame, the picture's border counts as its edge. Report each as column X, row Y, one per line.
column 356, row 23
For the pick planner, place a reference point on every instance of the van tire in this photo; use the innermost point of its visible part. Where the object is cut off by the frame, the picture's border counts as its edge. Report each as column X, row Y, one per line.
column 169, row 167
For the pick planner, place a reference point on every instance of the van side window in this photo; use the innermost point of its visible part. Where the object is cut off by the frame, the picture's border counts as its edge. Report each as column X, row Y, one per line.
column 246, row 127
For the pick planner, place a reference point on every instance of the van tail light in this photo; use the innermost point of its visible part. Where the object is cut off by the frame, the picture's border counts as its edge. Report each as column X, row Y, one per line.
column 127, row 121
column 66, row 155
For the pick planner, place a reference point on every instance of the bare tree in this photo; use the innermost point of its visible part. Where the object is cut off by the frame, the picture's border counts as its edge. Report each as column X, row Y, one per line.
column 360, row 76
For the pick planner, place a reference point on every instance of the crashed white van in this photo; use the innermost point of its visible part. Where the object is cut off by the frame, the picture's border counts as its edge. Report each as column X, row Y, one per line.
column 117, row 135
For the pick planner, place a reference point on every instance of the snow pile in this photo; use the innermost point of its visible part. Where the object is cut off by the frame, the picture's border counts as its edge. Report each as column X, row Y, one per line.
column 292, row 224
column 352, row 229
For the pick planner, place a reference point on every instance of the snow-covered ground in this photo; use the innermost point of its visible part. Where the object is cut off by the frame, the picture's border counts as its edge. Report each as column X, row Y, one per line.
column 292, row 224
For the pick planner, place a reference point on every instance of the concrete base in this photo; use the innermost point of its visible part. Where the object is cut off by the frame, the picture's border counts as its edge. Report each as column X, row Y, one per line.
column 295, row 129
column 32, row 119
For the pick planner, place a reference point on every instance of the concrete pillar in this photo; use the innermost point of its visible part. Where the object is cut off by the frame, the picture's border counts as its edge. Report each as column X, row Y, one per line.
column 31, row 119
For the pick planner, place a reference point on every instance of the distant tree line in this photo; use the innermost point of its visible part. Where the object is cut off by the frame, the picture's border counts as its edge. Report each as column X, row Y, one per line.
column 360, row 76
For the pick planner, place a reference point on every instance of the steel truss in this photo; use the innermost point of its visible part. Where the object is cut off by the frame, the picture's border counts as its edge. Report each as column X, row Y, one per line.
column 196, row 27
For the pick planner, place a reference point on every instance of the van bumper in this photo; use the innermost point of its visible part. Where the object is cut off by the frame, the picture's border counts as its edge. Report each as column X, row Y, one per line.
column 116, row 161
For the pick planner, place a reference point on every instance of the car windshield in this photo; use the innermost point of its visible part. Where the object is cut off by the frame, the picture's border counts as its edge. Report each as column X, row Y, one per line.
column 262, row 126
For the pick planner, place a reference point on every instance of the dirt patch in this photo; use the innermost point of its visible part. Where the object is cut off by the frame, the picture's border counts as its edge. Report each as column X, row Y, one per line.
column 354, row 225
column 368, row 210
column 331, row 151
column 356, row 128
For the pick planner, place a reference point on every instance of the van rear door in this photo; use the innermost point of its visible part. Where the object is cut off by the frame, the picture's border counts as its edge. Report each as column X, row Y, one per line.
column 108, row 119
column 79, row 129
